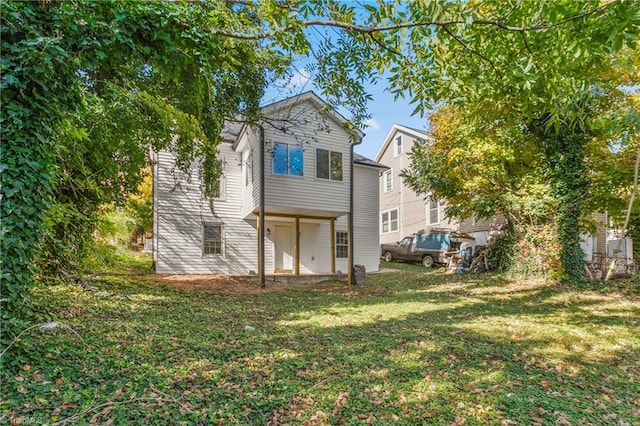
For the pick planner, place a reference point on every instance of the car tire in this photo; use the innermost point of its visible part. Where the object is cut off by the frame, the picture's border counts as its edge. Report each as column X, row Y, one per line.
column 427, row 261
column 388, row 257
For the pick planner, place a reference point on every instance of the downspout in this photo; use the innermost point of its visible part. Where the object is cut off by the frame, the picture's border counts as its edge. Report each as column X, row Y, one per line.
column 261, row 256
column 350, row 224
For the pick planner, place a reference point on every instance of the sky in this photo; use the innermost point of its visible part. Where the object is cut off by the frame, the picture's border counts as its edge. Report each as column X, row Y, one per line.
column 384, row 111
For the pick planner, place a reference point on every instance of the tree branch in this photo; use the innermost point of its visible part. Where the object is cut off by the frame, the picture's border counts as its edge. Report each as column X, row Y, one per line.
column 470, row 49
column 383, row 28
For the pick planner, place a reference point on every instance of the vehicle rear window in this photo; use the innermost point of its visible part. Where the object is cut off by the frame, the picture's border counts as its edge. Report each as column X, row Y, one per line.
column 433, row 241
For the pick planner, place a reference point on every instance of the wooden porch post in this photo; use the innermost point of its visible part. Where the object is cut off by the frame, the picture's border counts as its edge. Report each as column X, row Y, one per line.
column 350, row 249
column 297, row 245
column 258, row 241
column 332, row 230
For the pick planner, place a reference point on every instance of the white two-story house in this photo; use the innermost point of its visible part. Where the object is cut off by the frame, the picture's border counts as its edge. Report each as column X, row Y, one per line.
column 294, row 199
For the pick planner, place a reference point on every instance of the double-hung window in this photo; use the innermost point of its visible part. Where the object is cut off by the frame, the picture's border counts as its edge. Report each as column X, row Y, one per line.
column 389, row 221
column 398, row 146
column 212, row 238
column 288, row 159
column 342, row 245
column 433, row 212
column 328, row 164
column 387, row 180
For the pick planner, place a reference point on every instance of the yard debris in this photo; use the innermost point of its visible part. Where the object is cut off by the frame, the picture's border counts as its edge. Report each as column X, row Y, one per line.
column 249, row 328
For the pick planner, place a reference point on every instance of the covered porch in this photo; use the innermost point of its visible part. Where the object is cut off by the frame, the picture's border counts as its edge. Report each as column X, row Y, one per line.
column 302, row 243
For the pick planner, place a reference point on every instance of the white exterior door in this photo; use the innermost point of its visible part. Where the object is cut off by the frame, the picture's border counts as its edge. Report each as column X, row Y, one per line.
column 283, row 249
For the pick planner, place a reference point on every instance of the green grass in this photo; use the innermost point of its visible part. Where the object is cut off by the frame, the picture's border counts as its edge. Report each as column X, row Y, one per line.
column 411, row 347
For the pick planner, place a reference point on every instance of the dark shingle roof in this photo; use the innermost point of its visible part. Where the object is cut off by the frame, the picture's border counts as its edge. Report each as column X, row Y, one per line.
column 361, row 159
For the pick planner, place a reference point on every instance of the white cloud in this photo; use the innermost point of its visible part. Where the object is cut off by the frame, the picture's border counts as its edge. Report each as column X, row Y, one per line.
column 299, row 79
column 372, row 124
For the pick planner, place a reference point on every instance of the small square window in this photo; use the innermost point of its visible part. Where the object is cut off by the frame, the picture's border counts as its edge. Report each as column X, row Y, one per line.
column 342, row 245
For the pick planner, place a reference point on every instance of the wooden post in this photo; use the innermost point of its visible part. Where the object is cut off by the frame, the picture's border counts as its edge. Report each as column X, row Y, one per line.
column 332, row 230
column 350, row 249
column 297, row 245
column 258, row 241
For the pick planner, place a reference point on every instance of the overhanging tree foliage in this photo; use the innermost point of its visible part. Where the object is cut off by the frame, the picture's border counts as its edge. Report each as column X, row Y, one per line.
column 541, row 67
column 89, row 87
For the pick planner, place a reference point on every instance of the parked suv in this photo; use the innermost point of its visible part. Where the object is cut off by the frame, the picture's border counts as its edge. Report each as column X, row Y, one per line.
column 427, row 247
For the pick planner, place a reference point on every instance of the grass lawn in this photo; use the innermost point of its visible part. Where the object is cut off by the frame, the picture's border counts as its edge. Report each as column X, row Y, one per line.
column 411, row 347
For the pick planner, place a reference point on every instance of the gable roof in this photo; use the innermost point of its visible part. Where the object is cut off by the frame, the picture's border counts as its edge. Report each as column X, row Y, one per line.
column 416, row 133
column 315, row 100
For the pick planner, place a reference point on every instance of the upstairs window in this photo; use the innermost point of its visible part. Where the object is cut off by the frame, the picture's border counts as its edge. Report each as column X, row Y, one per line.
column 433, row 212
column 342, row 245
column 288, row 159
column 388, row 180
column 398, row 146
column 328, row 164
column 247, row 167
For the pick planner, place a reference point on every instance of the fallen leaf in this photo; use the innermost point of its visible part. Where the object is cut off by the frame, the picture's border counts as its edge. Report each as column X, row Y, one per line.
column 458, row 421
column 535, row 417
column 340, row 401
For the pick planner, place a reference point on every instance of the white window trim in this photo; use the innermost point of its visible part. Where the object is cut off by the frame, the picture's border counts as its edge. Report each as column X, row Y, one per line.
column 384, row 181
column 388, row 212
column 341, row 245
column 288, row 175
column 222, row 240
column 222, row 186
column 315, row 163
column 395, row 146
column 428, row 212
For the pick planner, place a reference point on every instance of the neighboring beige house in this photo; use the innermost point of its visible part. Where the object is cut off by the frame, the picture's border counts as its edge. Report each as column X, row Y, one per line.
column 287, row 214
column 402, row 211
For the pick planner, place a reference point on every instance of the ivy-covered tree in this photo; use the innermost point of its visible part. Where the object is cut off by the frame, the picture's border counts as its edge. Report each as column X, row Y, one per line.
column 87, row 89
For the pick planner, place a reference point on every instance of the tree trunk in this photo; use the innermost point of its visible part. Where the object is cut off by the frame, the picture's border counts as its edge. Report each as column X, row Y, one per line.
column 614, row 261
column 565, row 172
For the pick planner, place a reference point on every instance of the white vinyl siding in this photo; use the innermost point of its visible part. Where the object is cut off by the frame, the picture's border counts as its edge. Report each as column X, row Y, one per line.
column 180, row 213
column 366, row 218
column 307, row 192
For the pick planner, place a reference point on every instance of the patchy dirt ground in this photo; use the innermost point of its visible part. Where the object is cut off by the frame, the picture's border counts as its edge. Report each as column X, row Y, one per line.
column 229, row 284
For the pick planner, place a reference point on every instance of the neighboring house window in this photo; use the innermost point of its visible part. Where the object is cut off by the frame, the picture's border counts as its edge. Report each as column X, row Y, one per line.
column 212, row 238
column 288, row 159
column 247, row 167
column 342, row 245
column 398, row 146
column 219, row 192
column 388, row 180
column 389, row 221
column 433, row 212
column 328, row 164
